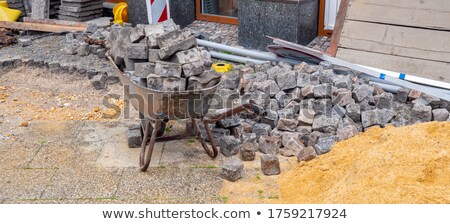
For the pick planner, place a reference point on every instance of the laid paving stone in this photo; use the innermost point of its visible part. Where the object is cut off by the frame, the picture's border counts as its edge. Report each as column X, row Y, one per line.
column 270, row 165
column 24, row 183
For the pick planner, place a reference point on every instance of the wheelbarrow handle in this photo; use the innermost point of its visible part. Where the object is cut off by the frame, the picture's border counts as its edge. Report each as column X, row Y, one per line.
column 244, row 107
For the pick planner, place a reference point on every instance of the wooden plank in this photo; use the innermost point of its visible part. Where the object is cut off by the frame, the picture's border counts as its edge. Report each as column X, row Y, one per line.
column 418, row 67
column 39, row 27
column 437, row 5
column 55, row 22
column 396, row 40
column 414, row 17
column 336, row 36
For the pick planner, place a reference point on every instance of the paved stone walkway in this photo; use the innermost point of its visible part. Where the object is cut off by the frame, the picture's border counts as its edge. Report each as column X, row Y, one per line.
column 228, row 33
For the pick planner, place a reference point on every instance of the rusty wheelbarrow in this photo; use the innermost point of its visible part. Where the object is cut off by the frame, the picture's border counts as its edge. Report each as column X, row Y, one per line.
column 156, row 108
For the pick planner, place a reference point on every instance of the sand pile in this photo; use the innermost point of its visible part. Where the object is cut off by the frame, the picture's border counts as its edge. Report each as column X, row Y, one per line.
column 409, row 164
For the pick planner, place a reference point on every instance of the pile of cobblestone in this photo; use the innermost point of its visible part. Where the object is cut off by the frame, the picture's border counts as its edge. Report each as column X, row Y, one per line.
column 63, row 54
column 162, row 57
column 308, row 109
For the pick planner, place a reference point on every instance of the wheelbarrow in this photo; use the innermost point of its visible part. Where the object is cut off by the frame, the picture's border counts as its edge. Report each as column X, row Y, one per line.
column 156, row 108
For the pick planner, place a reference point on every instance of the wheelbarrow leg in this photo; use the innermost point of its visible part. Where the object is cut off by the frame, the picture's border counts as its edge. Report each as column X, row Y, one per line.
column 144, row 159
column 212, row 153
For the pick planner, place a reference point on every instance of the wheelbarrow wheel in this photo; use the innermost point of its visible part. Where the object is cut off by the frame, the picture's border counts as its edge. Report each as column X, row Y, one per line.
column 212, row 152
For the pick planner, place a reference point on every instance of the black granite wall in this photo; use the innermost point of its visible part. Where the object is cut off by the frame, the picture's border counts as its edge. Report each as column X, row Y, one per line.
column 292, row 20
column 181, row 11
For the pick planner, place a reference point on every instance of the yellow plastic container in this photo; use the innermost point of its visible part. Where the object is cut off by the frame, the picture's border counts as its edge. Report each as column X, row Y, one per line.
column 7, row 14
column 4, row 3
column 222, row 67
column 120, row 12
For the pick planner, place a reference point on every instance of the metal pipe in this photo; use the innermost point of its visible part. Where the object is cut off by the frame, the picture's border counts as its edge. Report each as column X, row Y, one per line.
column 235, row 58
column 244, row 52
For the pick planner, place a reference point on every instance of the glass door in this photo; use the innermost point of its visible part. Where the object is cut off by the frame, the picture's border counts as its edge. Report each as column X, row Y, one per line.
column 221, row 11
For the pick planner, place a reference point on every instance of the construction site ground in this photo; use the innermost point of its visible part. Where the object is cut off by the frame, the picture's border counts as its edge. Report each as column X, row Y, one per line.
column 58, row 144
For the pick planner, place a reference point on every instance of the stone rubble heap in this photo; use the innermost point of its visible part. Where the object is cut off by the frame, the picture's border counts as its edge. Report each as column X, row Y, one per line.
column 80, row 10
column 76, row 43
column 161, row 57
column 65, row 54
column 308, row 109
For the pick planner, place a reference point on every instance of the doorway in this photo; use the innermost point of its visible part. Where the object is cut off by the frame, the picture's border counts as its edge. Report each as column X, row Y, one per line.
column 220, row 11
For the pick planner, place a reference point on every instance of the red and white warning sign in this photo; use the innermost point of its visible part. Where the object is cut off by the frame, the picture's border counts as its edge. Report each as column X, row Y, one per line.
column 157, row 11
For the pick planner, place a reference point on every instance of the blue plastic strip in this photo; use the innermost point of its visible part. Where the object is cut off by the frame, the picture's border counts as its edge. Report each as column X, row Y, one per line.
column 382, row 76
column 402, row 76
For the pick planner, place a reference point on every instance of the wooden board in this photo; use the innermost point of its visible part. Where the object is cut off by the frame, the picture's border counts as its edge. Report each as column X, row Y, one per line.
column 39, row 27
column 428, row 69
column 391, row 12
column 55, row 22
column 396, row 40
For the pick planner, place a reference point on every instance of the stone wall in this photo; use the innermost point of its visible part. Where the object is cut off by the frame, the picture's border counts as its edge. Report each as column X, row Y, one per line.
column 295, row 21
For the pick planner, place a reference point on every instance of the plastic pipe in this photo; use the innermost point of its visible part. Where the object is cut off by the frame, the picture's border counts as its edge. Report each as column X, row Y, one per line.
column 336, row 61
column 377, row 80
column 244, row 52
column 386, row 87
column 411, row 78
column 235, row 58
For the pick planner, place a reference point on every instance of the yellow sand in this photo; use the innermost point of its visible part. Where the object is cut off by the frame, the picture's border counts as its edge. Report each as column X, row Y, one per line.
column 409, row 164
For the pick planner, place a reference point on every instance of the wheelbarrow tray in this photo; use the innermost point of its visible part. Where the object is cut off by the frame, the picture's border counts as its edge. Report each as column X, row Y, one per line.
column 153, row 103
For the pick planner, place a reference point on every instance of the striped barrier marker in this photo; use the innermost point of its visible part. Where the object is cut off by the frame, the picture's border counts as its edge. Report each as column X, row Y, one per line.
column 157, row 11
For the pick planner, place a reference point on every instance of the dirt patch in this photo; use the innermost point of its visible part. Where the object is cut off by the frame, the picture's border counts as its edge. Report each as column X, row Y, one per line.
column 409, row 164
column 35, row 94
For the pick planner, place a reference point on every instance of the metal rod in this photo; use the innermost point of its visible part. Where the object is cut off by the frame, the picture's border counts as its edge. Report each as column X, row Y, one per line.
column 244, row 52
column 235, row 58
